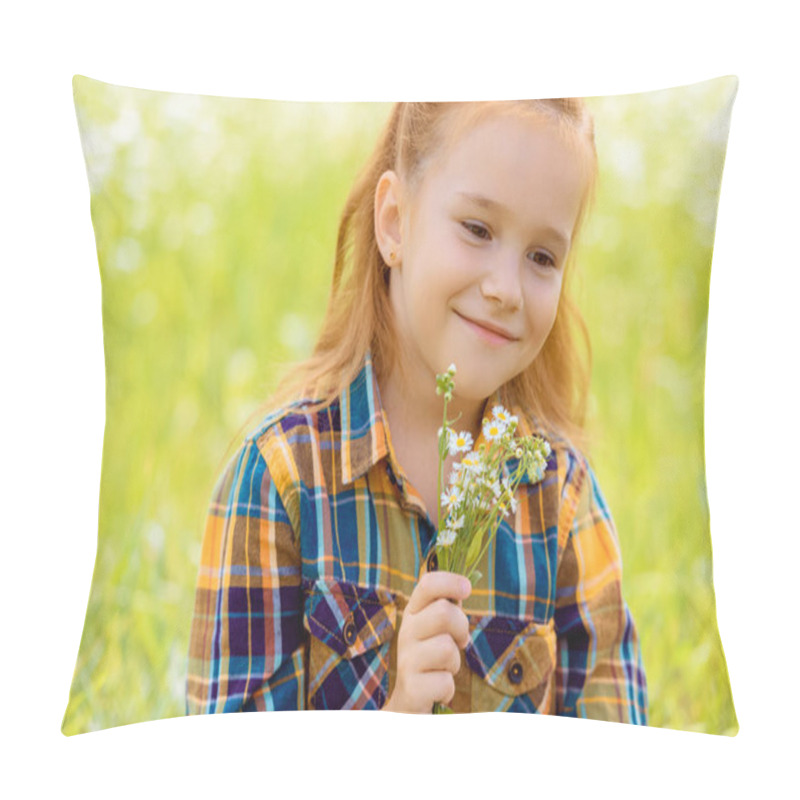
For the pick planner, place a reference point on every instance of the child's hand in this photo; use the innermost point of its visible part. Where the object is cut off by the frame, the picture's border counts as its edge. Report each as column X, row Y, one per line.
column 431, row 634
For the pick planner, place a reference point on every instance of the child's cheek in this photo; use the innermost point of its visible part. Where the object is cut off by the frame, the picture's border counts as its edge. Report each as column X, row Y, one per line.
column 465, row 261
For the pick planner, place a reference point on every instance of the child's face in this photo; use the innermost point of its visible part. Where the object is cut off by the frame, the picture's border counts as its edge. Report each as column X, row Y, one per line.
column 483, row 245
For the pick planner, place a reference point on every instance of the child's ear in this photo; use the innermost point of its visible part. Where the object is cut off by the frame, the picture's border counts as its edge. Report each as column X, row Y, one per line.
column 388, row 211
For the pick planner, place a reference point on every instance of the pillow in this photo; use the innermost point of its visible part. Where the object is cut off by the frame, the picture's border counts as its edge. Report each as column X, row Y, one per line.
column 207, row 211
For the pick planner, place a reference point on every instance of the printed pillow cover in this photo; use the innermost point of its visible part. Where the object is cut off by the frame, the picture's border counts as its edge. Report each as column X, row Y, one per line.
column 215, row 222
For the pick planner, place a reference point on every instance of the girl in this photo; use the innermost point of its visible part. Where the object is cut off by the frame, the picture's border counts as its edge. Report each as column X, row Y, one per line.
column 318, row 585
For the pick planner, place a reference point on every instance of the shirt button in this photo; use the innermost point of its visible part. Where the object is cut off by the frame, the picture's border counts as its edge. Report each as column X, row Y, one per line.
column 350, row 633
column 433, row 562
column 515, row 672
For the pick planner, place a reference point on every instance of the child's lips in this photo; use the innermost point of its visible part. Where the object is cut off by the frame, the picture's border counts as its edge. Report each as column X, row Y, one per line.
column 488, row 330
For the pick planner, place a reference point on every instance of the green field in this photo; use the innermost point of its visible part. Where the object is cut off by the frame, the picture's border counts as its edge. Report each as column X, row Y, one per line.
column 206, row 211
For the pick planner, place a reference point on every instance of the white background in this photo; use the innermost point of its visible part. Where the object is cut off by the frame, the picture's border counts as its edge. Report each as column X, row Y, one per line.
column 53, row 382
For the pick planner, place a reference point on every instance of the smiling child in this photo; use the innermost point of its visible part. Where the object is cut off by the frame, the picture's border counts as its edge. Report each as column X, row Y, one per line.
column 318, row 585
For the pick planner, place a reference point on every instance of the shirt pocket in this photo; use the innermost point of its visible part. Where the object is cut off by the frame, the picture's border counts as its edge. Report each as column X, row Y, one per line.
column 350, row 630
column 512, row 662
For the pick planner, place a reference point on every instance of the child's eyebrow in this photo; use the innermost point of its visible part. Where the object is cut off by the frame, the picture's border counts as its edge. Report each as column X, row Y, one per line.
column 488, row 203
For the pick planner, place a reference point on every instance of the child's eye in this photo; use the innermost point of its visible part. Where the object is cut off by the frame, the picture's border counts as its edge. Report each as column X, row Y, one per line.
column 543, row 258
column 477, row 230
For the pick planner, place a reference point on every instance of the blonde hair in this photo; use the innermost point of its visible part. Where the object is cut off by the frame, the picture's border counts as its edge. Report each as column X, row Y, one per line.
column 359, row 316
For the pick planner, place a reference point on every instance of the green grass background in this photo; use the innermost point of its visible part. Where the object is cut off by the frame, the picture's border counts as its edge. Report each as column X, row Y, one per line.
column 209, row 213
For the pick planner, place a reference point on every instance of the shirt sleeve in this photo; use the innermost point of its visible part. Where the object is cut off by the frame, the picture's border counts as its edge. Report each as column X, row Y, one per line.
column 246, row 647
column 599, row 671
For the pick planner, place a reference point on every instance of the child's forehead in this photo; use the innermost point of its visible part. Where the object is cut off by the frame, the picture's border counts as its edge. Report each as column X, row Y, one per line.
column 489, row 147
column 459, row 119
column 463, row 119
column 482, row 144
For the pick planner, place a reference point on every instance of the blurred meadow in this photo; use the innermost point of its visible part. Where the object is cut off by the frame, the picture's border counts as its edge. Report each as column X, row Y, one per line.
column 215, row 221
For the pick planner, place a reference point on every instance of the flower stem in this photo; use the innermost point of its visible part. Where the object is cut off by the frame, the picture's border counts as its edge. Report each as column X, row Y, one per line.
column 494, row 527
column 441, row 468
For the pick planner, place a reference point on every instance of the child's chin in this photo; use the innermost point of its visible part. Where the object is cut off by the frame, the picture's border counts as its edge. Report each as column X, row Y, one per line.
column 475, row 388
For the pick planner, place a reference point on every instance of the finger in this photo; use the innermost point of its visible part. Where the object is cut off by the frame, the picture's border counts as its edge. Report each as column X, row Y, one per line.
column 435, row 687
column 433, row 585
column 433, row 655
column 441, row 616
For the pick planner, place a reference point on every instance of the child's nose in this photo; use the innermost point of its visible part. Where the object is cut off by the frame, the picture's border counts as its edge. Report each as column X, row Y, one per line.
column 502, row 281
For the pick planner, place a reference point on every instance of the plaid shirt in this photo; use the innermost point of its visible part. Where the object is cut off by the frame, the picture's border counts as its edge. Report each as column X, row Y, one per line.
column 315, row 540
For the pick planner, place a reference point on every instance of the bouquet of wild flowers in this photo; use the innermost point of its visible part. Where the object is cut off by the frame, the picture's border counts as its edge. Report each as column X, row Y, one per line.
column 481, row 487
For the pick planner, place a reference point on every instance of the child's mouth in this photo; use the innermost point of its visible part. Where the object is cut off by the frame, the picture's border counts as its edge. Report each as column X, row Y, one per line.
column 493, row 334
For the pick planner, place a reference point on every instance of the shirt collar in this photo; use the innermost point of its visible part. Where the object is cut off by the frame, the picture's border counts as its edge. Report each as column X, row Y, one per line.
column 365, row 432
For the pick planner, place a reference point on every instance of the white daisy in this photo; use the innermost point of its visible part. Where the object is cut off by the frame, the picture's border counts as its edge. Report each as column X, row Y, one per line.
column 456, row 524
column 446, row 537
column 493, row 429
column 503, row 415
column 500, row 414
column 471, row 461
column 451, row 497
column 460, row 443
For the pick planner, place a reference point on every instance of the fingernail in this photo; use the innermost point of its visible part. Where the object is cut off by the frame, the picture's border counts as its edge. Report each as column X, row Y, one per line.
column 467, row 586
